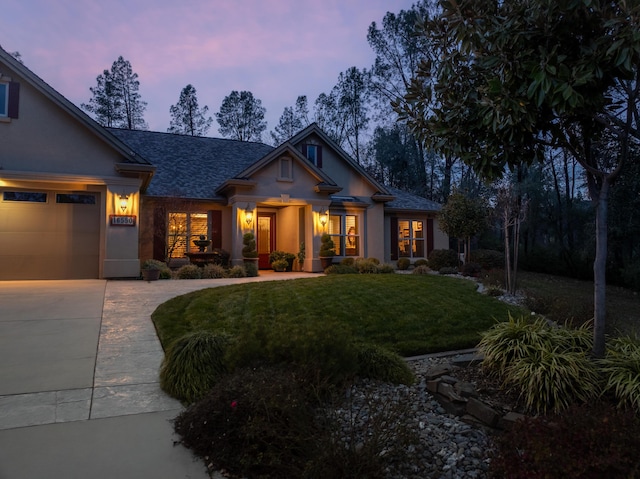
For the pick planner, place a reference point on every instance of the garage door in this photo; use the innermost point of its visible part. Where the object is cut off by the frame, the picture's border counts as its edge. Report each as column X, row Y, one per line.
column 49, row 234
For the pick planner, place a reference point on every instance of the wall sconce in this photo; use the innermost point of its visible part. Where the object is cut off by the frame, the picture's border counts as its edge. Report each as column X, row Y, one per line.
column 324, row 217
column 248, row 215
column 124, row 202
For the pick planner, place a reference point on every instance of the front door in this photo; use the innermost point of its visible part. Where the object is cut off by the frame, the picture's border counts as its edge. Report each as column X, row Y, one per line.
column 266, row 238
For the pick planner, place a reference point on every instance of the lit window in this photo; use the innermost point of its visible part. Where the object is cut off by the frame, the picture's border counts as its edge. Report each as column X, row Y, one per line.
column 345, row 233
column 76, row 198
column 411, row 239
column 183, row 229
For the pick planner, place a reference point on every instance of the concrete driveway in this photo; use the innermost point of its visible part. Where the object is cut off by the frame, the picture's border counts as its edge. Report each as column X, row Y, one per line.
column 79, row 386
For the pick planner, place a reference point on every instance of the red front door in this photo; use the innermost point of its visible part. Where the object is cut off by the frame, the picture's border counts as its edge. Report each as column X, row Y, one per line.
column 266, row 238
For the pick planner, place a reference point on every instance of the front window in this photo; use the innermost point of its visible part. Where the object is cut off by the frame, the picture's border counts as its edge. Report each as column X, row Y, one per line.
column 4, row 99
column 411, row 239
column 183, row 229
column 345, row 233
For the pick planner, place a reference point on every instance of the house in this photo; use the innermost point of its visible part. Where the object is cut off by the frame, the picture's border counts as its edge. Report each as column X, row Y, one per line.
column 81, row 201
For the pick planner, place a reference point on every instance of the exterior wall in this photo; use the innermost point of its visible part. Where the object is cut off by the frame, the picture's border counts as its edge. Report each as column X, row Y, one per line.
column 440, row 238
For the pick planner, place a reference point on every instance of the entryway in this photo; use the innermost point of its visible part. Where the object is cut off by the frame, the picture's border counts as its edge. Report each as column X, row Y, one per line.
column 266, row 238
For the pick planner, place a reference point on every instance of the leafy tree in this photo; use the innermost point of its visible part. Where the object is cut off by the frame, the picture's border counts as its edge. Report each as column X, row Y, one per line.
column 241, row 117
column 116, row 101
column 292, row 120
column 186, row 117
column 522, row 75
column 463, row 217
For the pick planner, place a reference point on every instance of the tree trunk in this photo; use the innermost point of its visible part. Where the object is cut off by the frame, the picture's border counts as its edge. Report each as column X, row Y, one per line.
column 600, row 271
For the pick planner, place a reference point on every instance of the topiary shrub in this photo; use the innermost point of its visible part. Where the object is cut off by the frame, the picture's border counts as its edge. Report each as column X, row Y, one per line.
column 249, row 248
column 188, row 271
column 442, row 258
column 424, row 269
column 488, row 258
column 255, row 423
column 376, row 362
column 193, row 364
column 213, row 271
column 239, row 271
column 327, row 246
column 386, row 269
column 421, row 262
column 403, row 263
column 594, row 441
column 366, row 266
column 621, row 368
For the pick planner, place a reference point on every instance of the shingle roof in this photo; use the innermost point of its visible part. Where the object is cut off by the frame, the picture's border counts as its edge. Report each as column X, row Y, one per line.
column 409, row 201
column 188, row 166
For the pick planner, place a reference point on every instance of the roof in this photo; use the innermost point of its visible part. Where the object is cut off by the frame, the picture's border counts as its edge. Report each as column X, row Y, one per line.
column 191, row 166
column 409, row 201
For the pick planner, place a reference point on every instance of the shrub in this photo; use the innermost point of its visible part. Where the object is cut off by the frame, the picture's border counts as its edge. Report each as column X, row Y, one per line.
column 327, row 246
column 341, row 269
column 376, row 362
column 471, row 269
column 239, row 271
column 494, row 278
column 583, row 442
column 448, row 270
column 557, row 307
column 386, row 269
column 280, row 265
column 366, row 266
column 374, row 260
column 404, row 263
column 442, row 258
column 421, row 262
column 193, row 364
column 488, row 259
column 249, row 248
column 423, row 269
column 165, row 271
column 351, row 261
column 188, row 271
column 213, row 271
column 621, row 367
column 255, row 423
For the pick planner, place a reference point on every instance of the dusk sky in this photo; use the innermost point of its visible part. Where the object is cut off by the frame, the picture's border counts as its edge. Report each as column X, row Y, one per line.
column 277, row 49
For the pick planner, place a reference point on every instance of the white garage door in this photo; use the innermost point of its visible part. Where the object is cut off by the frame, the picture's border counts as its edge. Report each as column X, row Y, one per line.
column 49, row 234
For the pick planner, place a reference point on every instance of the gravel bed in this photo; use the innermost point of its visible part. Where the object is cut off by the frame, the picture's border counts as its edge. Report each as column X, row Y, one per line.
column 438, row 445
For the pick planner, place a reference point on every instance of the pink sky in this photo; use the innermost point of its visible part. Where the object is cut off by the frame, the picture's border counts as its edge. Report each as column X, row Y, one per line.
column 277, row 49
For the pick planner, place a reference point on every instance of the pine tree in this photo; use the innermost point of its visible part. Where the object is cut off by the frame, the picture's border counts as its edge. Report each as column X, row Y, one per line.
column 186, row 117
column 241, row 117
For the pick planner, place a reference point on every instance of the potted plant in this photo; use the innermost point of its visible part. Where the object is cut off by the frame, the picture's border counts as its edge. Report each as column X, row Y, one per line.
column 282, row 255
column 151, row 270
column 280, row 265
column 249, row 251
column 301, row 256
column 327, row 250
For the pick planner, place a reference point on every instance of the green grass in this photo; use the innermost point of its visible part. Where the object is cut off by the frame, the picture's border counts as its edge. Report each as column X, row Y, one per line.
column 407, row 314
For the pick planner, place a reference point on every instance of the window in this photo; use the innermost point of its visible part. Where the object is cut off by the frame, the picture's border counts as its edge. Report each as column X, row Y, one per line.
column 313, row 154
column 27, row 196
column 76, row 198
column 411, row 239
column 345, row 233
column 4, row 99
column 183, row 229
column 285, row 170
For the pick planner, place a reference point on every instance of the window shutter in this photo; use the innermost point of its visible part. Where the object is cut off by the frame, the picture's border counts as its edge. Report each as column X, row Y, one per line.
column 319, row 159
column 14, row 99
column 216, row 228
column 429, row 236
column 159, row 233
column 394, row 239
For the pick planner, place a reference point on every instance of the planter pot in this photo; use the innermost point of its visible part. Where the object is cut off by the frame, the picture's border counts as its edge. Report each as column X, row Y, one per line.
column 326, row 261
column 151, row 274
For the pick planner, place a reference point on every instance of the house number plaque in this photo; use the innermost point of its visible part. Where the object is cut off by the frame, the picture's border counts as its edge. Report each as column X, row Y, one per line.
column 122, row 220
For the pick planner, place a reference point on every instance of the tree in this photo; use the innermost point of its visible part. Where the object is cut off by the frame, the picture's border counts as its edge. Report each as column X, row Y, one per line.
column 292, row 120
column 241, row 117
column 523, row 75
column 116, row 101
column 463, row 217
column 186, row 117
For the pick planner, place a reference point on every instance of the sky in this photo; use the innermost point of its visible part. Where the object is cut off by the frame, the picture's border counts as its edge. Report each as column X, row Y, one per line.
column 277, row 49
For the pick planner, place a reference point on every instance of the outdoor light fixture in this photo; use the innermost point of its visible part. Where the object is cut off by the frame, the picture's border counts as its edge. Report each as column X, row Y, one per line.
column 124, row 201
column 248, row 215
column 323, row 218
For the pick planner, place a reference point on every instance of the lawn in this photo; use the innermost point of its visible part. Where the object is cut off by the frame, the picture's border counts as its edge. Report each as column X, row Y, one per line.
column 408, row 314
